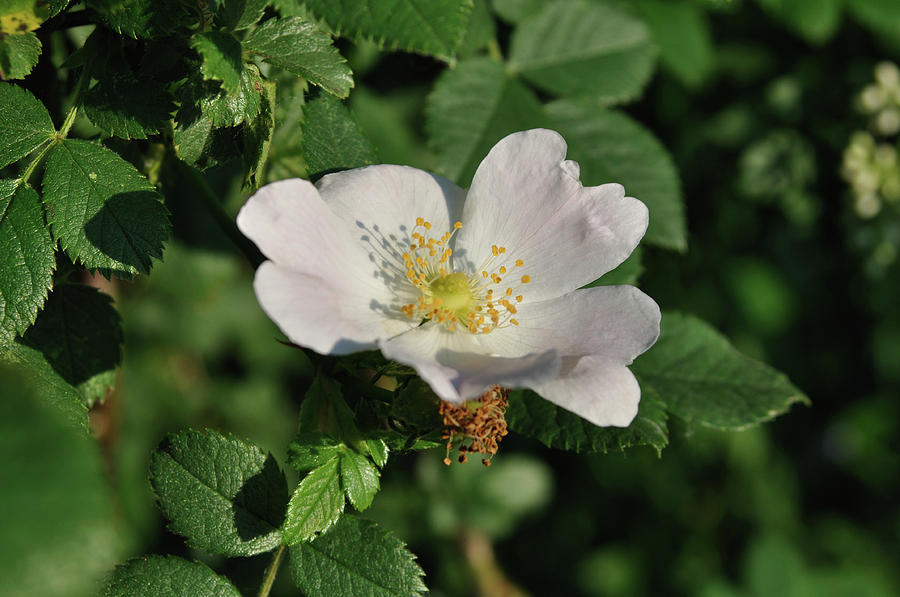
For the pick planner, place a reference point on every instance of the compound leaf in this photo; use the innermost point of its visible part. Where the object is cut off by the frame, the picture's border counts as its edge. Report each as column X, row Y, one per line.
column 24, row 123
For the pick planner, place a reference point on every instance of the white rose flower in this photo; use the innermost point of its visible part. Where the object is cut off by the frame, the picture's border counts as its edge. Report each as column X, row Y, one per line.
column 472, row 289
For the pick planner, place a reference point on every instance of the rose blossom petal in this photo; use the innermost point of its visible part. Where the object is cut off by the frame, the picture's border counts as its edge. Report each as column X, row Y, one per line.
column 458, row 367
column 603, row 392
column 526, row 197
column 616, row 322
column 316, row 259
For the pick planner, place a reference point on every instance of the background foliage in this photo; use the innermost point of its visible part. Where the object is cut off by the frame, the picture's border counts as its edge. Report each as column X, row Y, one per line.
column 130, row 134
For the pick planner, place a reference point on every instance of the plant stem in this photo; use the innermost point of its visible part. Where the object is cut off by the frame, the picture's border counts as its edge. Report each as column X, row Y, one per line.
column 271, row 572
column 214, row 208
column 67, row 123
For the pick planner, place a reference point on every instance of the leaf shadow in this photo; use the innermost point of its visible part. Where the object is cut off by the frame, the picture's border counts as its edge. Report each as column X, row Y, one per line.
column 261, row 503
column 129, row 229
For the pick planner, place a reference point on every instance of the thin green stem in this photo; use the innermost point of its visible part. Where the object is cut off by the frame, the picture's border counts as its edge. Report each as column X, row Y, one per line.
column 67, row 123
column 271, row 572
column 214, row 207
column 494, row 52
column 34, row 163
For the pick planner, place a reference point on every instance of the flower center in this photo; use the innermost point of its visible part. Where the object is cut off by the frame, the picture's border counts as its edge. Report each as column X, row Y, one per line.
column 478, row 302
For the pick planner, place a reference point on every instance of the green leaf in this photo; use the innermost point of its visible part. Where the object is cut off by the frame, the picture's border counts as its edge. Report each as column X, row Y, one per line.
column 317, row 503
column 682, row 35
column 359, row 478
column 165, row 576
column 531, row 415
column 378, row 449
column 332, row 140
column 142, row 18
column 26, row 269
column 481, row 29
column 19, row 52
column 231, row 109
column 202, row 145
column 299, row 47
column 611, row 147
column 471, row 108
column 286, row 150
column 357, row 558
column 312, row 449
column 33, row 367
column 240, row 14
column 224, row 495
column 80, row 335
column 433, row 27
column 127, row 107
column 103, row 212
column 815, row 20
column 24, row 123
column 703, row 379
column 516, row 11
column 58, row 533
column 418, row 406
column 258, row 138
column 584, row 48
column 222, row 59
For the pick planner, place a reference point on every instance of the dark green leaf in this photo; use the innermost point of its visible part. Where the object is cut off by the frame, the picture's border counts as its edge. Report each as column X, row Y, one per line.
column 815, row 20
column 26, row 269
column 611, row 147
column 222, row 60
column 703, row 379
column 359, row 478
column 531, row 415
column 19, row 52
column 417, row 405
column 332, row 139
column 221, row 107
column 357, row 558
column 682, row 35
column 378, row 449
column 433, row 27
column 584, row 48
column 142, row 18
column 298, row 46
column 258, row 138
column 516, row 11
column 224, row 495
column 471, row 108
column 481, row 29
column 80, row 335
column 240, row 14
column 159, row 576
column 312, row 449
column 317, row 503
column 58, row 533
column 286, row 151
column 103, row 212
column 200, row 144
column 127, row 107
column 24, row 123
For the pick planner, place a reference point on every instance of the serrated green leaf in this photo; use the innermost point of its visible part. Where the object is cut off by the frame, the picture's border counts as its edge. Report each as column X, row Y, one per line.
column 815, row 20
column 298, row 46
column 531, row 415
column 128, row 107
column 165, row 576
column 471, row 108
column 611, row 147
column 480, row 30
column 202, row 145
column 222, row 59
column 24, row 123
column 582, row 48
column 222, row 108
column 312, row 449
column 332, row 140
column 142, row 18
column 58, row 535
column 47, row 384
column 317, row 503
column 682, row 35
column 433, row 27
column 702, row 379
column 357, row 558
column 240, row 14
column 223, row 494
column 378, row 449
column 359, row 478
column 102, row 211
column 26, row 269
column 19, row 52
column 80, row 335
column 258, row 138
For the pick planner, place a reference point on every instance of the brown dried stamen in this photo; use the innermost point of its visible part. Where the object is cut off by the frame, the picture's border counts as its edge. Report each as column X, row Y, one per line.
column 478, row 425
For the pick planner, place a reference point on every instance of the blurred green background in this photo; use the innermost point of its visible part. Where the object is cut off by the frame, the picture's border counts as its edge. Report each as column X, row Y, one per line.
column 780, row 258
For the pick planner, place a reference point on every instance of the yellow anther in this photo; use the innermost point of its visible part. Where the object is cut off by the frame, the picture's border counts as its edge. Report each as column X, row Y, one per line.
column 526, row 279
column 427, row 225
column 509, row 292
column 495, row 250
column 484, row 274
column 519, row 298
column 457, row 225
column 502, row 270
column 519, row 263
column 514, row 321
column 420, row 221
column 502, row 250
